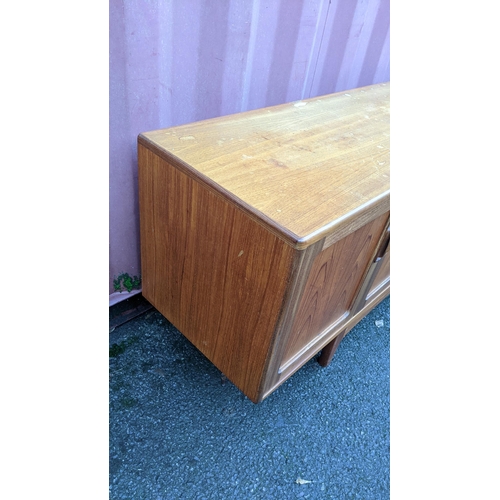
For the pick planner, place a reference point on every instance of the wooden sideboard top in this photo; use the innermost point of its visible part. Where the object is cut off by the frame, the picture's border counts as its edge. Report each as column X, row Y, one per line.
column 304, row 169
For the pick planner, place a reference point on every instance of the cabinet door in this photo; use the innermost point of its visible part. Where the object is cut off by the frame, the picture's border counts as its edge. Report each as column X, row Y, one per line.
column 377, row 282
column 330, row 291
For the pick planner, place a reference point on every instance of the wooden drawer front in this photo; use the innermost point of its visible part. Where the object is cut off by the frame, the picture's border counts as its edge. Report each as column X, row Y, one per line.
column 333, row 282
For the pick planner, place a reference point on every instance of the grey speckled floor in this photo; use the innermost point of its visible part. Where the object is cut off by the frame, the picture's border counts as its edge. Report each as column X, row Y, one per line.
column 179, row 430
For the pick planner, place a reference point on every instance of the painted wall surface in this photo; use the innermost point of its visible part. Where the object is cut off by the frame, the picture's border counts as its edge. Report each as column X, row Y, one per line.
column 178, row 61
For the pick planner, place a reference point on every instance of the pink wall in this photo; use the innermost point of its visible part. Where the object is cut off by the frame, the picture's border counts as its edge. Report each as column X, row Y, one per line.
column 178, row 61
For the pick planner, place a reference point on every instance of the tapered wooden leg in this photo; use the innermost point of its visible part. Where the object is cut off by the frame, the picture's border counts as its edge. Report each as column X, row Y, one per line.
column 329, row 350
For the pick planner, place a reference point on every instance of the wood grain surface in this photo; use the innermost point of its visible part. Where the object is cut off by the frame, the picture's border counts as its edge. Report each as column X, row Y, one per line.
column 382, row 275
column 218, row 276
column 320, row 301
column 376, row 282
column 302, row 168
column 331, row 287
column 260, row 231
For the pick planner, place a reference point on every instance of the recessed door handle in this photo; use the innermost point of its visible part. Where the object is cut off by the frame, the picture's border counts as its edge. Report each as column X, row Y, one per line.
column 383, row 247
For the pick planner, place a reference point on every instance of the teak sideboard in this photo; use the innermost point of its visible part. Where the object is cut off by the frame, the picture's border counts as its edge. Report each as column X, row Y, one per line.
column 265, row 234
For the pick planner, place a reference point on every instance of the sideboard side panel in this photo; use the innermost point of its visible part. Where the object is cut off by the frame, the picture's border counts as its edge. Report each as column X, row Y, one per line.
column 214, row 273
